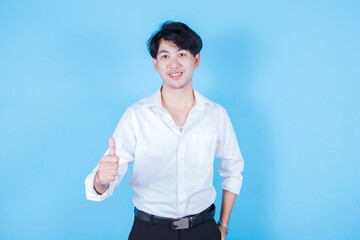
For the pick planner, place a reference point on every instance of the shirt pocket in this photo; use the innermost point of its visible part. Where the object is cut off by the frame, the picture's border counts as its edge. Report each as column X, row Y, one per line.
column 203, row 149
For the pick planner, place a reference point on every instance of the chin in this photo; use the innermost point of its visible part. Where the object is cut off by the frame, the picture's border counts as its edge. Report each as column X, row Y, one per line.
column 178, row 85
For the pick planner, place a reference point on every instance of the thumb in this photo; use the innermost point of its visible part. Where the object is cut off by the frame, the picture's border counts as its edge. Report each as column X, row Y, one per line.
column 112, row 146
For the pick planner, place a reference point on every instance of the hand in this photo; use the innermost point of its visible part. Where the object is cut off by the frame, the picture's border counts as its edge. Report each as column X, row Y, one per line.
column 108, row 167
column 223, row 232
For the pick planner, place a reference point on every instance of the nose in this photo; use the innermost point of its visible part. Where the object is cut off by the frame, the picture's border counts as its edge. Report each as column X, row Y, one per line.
column 174, row 62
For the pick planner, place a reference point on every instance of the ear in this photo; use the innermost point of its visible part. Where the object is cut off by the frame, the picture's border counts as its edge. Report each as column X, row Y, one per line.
column 155, row 65
column 197, row 60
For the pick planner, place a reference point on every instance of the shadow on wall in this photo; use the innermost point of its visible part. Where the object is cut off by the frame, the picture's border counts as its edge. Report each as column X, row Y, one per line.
column 237, row 56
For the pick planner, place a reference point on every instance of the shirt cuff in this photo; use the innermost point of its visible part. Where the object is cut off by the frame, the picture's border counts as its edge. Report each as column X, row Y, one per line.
column 91, row 194
column 232, row 185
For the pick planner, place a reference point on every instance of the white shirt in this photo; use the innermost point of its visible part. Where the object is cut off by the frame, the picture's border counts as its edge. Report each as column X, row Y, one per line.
column 173, row 170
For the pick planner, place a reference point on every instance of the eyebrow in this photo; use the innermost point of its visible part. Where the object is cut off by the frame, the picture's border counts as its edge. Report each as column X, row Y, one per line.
column 163, row 51
column 166, row 51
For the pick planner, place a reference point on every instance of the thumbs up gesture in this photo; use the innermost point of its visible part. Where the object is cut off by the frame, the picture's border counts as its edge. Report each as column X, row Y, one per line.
column 108, row 168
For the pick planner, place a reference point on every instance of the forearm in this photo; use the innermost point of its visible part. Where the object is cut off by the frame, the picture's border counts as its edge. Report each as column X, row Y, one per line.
column 227, row 204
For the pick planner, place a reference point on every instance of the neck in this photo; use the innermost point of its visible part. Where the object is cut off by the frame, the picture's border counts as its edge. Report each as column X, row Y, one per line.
column 177, row 98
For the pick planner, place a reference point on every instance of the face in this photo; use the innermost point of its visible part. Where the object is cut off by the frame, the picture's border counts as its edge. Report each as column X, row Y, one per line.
column 176, row 66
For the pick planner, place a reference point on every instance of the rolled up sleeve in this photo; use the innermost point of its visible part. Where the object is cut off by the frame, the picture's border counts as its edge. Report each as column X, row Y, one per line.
column 228, row 151
column 125, row 139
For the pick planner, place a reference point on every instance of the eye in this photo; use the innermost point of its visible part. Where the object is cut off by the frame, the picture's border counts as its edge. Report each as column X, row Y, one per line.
column 182, row 55
column 164, row 56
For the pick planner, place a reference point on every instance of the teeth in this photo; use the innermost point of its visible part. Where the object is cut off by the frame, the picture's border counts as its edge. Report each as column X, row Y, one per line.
column 174, row 74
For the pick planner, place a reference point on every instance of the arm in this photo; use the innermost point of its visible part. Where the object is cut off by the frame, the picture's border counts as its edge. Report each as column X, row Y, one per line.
column 227, row 204
column 106, row 176
column 230, row 168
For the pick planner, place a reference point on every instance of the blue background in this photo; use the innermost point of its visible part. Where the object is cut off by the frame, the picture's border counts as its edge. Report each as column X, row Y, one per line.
column 287, row 72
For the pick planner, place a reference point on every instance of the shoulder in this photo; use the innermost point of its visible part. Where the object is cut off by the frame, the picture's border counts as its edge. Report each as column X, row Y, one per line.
column 145, row 104
column 210, row 105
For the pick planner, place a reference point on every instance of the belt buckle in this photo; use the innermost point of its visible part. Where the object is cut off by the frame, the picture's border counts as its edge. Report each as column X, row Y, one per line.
column 180, row 223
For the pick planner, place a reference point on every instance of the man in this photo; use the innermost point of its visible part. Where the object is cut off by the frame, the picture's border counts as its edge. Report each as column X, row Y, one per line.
column 172, row 137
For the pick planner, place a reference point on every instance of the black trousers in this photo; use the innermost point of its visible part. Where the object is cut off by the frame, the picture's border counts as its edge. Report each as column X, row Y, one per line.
column 142, row 230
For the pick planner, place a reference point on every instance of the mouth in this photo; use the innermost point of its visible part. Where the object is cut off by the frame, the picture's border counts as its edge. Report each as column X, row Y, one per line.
column 175, row 75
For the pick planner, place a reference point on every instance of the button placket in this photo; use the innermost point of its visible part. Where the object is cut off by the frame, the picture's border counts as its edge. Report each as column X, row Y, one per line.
column 180, row 177
column 169, row 121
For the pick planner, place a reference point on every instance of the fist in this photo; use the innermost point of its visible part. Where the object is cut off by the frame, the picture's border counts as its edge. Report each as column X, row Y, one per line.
column 108, row 165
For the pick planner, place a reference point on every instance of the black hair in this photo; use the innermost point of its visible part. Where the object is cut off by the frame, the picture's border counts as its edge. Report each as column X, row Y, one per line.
column 178, row 33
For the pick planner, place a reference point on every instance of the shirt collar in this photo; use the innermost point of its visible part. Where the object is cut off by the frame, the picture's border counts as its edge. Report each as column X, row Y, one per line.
column 155, row 100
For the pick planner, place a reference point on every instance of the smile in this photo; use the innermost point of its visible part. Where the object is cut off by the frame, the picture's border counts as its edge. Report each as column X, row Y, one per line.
column 175, row 75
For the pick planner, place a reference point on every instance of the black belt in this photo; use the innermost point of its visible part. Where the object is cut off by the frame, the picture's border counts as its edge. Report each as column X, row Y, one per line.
column 178, row 223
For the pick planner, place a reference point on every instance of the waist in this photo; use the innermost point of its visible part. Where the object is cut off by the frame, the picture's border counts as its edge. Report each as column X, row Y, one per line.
column 178, row 223
column 165, row 203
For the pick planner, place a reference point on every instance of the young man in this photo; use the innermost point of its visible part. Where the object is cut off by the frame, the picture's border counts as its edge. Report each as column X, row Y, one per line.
column 172, row 137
